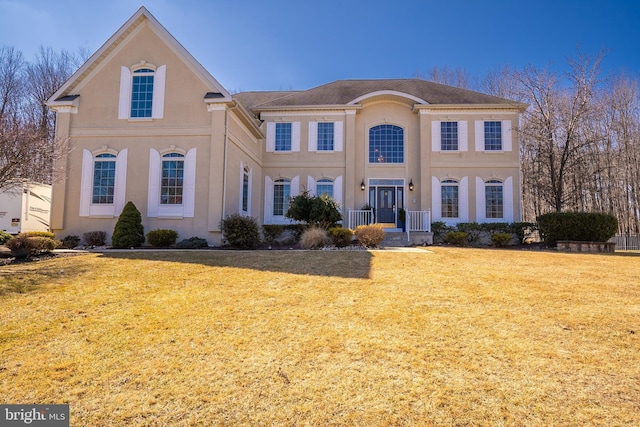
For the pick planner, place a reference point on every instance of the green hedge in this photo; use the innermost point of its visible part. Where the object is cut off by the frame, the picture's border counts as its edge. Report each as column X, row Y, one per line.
column 578, row 226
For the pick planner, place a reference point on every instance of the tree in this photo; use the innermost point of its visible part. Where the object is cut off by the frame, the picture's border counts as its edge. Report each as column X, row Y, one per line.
column 28, row 149
column 129, row 231
column 320, row 211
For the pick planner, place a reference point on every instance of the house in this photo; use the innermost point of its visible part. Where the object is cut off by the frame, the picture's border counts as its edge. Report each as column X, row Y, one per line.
column 150, row 125
column 25, row 206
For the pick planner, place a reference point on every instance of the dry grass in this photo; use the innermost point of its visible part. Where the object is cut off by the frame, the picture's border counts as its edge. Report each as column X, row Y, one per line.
column 453, row 337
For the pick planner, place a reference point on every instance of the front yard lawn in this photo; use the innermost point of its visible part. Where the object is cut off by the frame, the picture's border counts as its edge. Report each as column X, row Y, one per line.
column 445, row 337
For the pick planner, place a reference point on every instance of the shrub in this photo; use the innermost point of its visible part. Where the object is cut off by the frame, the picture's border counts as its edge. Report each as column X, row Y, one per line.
column 24, row 245
column 369, row 236
column 341, row 236
column 129, row 231
column 522, row 229
column 4, row 237
column 458, row 238
column 47, row 234
column 579, row 226
column 70, row 242
column 272, row 231
column 473, row 231
column 95, row 238
column 318, row 211
column 162, row 238
column 314, row 237
column 500, row 240
column 192, row 243
column 240, row 231
column 440, row 230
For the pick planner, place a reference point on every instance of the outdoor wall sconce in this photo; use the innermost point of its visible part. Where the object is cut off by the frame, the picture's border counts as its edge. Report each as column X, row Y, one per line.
column 362, row 186
column 411, row 186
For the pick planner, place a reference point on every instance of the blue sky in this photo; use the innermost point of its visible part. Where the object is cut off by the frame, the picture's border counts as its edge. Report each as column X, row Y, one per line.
column 299, row 44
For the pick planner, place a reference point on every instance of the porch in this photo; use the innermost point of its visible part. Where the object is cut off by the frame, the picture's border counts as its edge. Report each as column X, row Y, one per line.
column 416, row 228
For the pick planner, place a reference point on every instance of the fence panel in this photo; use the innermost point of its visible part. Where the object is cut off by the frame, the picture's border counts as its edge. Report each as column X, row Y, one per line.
column 626, row 242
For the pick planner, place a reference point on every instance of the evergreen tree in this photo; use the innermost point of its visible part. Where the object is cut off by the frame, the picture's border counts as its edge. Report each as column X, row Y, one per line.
column 129, row 231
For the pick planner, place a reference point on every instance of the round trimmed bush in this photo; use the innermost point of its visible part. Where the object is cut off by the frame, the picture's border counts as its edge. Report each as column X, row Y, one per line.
column 577, row 226
column 162, row 238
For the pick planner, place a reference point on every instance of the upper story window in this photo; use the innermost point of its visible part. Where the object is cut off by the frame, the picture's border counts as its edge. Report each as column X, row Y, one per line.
column 450, row 199
column 386, row 144
column 325, row 136
column 104, row 179
column 283, row 136
column 449, row 136
column 493, row 136
column 172, row 182
column 142, row 93
column 494, row 199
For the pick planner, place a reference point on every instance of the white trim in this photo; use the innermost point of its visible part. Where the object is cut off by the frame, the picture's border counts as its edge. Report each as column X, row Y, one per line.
column 337, row 190
column 436, row 199
column 155, row 175
column 388, row 92
column 86, row 182
column 463, row 135
column 295, row 137
column 271, row 137
column 87, row 208
column 313, row 136
column 124, row 102
column 311, row 186
column 507, row 136
column 338, row 136
column 507, row 193
column 268, row 200
column 120, row 183
column 481, row 200
column 189, row 184
column 463, row 200
column 436, row 136
column 157, row 104
column 479, row 135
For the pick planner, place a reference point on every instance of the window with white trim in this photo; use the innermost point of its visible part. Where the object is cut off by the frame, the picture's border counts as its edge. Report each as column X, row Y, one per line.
column 494, row 199
column 386, row 144
column 104, row 178
column 142, row 90
column 283, row 137
column 103, row 182
column 493, row 136
column 450, row 198
column 172, row 183
column 281, row 195
column 172, row 178
column 246, row 182
column 449, row 136
column 325, row 136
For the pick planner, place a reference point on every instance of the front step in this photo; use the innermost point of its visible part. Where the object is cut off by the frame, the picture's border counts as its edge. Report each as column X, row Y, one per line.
column 395, row 239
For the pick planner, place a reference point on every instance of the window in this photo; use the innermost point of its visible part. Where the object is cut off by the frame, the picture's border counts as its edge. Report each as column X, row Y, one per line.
column 494, row 199
column 283, row 137
column 450, row 199
column 142, row 93
column 449, row 136
column 386, row 144
column 172, row 179
column 281, row 194
column 324, row 186
column 245, row 190
column 493, row 136
column 104, row 179
column 103, row 182
column 325, row 136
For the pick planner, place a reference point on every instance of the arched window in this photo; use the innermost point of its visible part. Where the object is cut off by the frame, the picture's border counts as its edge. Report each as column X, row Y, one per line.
column 104, row 178
column 494, row 199
column 281, row 194
column 324, row 186
column 142, row 93
column 246, row 173
column 386, row 144
column 450, row 193
column 172, row 183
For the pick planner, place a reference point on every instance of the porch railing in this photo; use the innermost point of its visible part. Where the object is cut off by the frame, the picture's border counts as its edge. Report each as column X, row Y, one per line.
column 418, row 221
column 360, row 217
